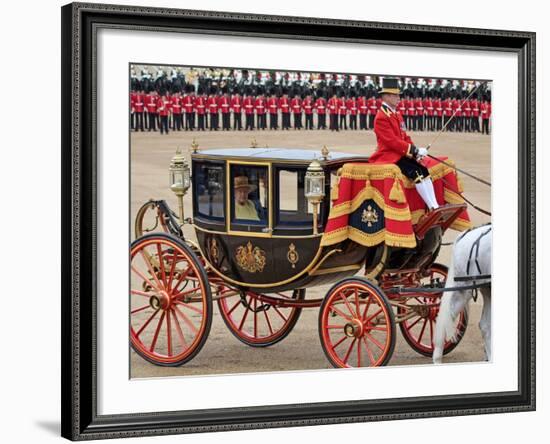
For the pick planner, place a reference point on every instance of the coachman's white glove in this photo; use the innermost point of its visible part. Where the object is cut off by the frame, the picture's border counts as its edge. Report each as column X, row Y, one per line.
column 421, row 152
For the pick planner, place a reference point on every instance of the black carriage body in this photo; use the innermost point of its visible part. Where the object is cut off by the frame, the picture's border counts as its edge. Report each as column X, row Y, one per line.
column 279, row 251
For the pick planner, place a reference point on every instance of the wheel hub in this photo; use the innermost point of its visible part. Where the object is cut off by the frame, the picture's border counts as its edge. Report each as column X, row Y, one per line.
column 354, row 328
column 160, row 301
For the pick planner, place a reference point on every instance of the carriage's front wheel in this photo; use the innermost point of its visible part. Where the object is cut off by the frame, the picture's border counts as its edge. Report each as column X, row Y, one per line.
column 260, row 324
column 419, row 329
column 356, row 325
column 170, row 300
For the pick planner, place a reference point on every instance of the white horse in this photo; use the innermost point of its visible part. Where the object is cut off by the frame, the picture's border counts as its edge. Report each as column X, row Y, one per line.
column 471, row 256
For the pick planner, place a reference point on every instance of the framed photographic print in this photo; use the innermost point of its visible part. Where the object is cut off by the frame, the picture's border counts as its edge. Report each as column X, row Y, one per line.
column 277, row 221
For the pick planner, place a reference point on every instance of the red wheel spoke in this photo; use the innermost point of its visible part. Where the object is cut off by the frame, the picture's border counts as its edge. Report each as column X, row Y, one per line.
column 374, row 341
column 183, row 275
column 234, row 307
column 367, row 305
column 347, row 304
column 142, row 276
column 178, row 329
column 349, row 350
column 357, row 302
column 190, row 307
column 268, row 322
column 171, row 274
column 137, row 310
column 422, row 331
column 280, row 314
column 157, row 331
column 255, row 318
column 186, row 319
column 151, row 270
column 359, row 353
column 144, row 326
column 379, row 328
column 186, row 292
column 369, row 352
column 340, row 312
column 161, row 262
column 373, row 316
column 335, row 326
column 243, row 319
column 140, row 293
column 415, row 322
column 169, row 332
column 340, row 341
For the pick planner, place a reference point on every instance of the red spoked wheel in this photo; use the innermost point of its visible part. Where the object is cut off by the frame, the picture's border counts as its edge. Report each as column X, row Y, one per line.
column 170, row 300
column 419, row 330
column 356, row 325
column 257, row 323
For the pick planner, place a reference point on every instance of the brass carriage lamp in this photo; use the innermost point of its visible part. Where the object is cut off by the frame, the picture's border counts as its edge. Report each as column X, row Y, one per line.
column 180, row 179
column 315, row 189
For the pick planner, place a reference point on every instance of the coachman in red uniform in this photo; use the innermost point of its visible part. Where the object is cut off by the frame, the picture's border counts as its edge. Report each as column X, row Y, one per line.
column 395, row 146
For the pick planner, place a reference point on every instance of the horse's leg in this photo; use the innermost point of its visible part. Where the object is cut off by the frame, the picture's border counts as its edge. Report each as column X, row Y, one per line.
column 485, row 322
column 452, row 304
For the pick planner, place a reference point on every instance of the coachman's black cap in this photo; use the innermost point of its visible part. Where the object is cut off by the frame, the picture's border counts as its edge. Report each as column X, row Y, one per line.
column 390, row 86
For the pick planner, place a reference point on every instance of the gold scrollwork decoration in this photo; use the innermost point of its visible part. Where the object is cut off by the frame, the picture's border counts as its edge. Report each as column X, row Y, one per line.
column 292, row 255
column 250, row 258
column 214, row 251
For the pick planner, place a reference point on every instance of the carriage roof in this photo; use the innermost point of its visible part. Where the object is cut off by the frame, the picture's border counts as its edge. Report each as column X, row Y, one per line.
column 293, row 155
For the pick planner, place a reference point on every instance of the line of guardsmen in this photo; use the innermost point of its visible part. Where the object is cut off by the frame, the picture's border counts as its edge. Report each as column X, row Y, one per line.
column 190, row 111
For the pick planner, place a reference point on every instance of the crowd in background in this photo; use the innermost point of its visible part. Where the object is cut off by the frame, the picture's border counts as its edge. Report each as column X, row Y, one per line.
column 193, row 99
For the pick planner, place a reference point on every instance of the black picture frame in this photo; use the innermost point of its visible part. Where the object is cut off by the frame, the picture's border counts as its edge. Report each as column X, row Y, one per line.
column 80, row 22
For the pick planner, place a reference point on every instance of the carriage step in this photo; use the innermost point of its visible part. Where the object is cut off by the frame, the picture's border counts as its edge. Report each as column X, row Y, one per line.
column 443, row 216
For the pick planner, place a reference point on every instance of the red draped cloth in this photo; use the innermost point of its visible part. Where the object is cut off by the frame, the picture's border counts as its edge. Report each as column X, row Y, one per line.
column 375, row 203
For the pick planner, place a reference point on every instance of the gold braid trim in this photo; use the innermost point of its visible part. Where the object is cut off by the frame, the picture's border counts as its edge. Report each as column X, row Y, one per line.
column 369, row 240
column 349, row 207
column 396, row 193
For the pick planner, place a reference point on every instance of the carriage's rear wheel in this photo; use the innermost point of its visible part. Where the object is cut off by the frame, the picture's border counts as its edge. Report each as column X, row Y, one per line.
column 356, row 325
column 419, row 330
column 257, row 323
column 170, row 300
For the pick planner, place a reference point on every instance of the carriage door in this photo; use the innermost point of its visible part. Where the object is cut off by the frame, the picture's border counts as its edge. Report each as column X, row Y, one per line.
column 249, row 199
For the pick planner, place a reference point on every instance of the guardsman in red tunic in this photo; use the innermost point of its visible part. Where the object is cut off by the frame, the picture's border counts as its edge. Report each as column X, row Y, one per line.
column 321, row 110
column 447, row 112
column 333, row 107
column 237, row 110
column 212, row 107
column 419, row 107
column 363, row 107
column 248, row 105
column 260, row 105
column 177, row 115
column 395, row 146
column 373, row 109
column 457, row 111
column 474, row 103
column 151, row 110
column 429, row 110
column 485, row 109
column 200, row 109
column 224, row 103
column 351, row 105
column 296, row 105
column 284, row 106
column 132, row 110
column 273, row 108
column 139, row 106
column 438, row 106
column 164, row 108
column 342, row 112
column 411, row 114
column 467, row 112
column 308, row 106
column 188, row 103
column 402, row 108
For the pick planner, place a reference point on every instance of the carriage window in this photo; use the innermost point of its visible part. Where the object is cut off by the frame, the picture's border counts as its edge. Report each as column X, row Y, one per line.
column 209, row 184
column 293, row 205
column 249, row 194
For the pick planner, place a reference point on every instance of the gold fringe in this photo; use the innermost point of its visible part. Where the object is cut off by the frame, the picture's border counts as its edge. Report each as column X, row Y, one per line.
column 396, row 193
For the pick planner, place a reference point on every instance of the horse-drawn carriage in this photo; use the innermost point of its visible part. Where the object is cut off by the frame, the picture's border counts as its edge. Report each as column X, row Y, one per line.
column 267, row 229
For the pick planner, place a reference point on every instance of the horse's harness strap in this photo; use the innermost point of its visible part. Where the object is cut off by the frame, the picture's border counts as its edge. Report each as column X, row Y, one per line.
column 475, row 246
